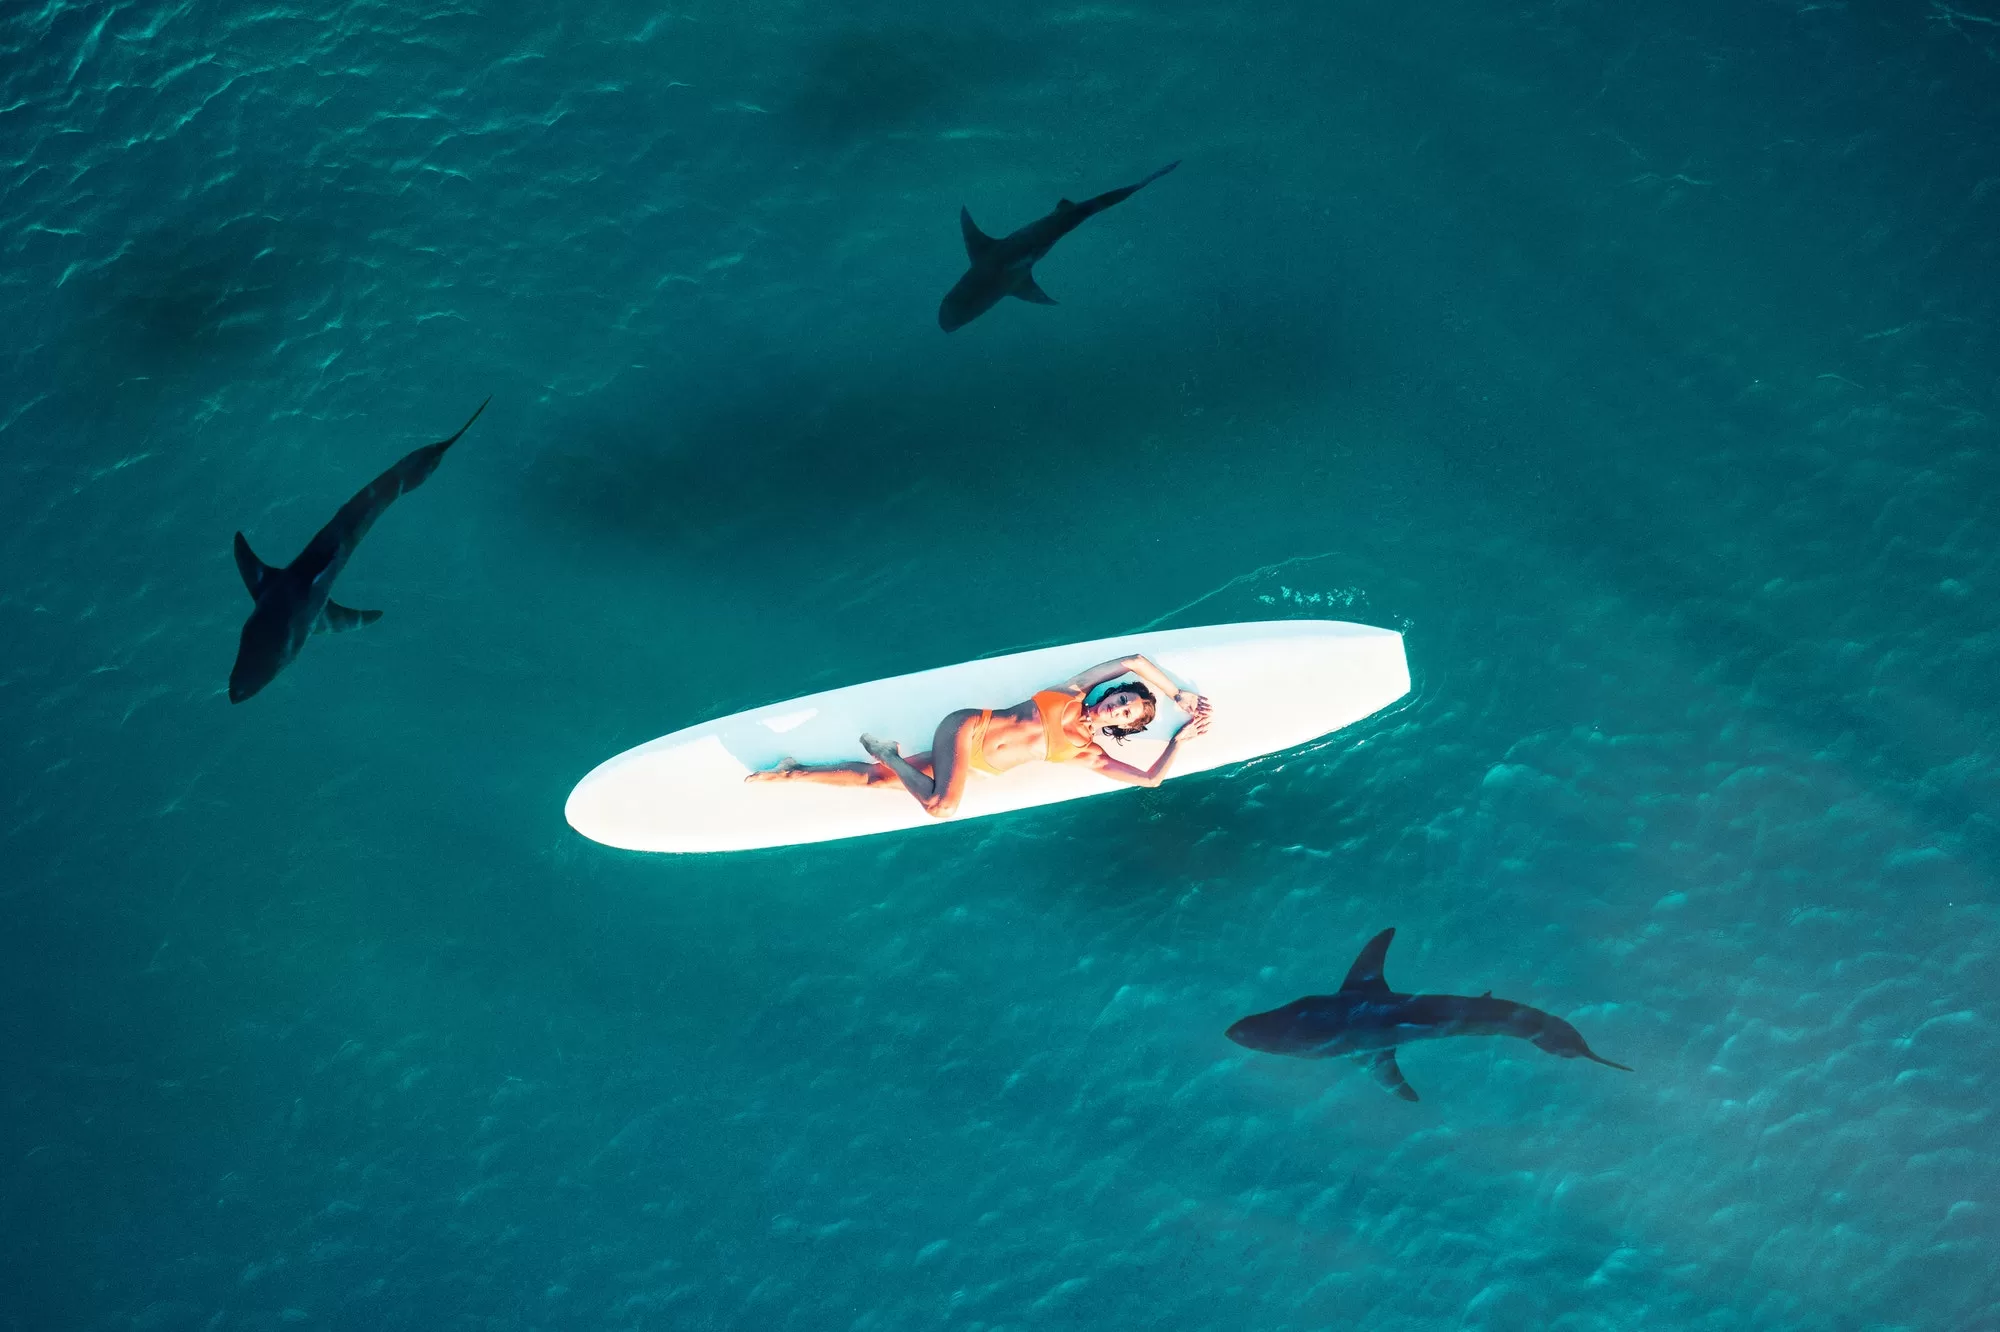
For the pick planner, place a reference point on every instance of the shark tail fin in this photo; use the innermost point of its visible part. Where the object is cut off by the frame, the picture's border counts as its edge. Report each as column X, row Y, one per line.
column 1031, row 291
column 977, row 242
column 338, row 619
column 1383, row 1068
column 444, row 444
column 254, row 570
column 1157, row 174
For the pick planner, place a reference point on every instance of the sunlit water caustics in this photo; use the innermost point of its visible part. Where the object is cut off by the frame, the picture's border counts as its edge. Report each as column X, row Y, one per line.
column 1637, row 363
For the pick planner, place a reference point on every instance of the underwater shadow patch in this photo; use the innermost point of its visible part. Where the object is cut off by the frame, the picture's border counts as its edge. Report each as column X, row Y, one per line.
column 785, row 445
column 865, row 81
column 201, row 301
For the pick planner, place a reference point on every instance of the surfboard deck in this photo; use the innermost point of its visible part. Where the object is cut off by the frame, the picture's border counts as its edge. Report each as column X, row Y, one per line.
column 1272, row 685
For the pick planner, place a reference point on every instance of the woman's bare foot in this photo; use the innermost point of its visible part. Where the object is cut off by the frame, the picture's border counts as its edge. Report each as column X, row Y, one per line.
column 882, row 750
column 786, row 767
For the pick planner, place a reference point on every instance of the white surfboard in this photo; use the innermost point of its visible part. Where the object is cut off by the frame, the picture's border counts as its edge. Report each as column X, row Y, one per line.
column 1272, row 685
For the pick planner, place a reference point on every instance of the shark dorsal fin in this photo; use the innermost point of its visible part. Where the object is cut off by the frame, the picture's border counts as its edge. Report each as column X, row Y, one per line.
column 254, row 570
column 1365, row 976
column 1064, row 205
column 338, row 619
column 1031, row 291
column 1383, row 1068
column 1487, row 995
column 977, row 242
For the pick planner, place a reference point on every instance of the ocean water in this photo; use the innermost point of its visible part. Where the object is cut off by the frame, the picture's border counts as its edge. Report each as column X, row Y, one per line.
column 1638, row 362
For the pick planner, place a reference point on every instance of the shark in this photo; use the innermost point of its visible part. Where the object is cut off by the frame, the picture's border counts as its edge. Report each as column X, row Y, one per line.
column 295, row 602
column 1005, row 265
column 1367, row 1021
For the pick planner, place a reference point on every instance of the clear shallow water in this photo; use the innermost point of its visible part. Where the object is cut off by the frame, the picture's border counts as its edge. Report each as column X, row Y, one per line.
column 1639, row 366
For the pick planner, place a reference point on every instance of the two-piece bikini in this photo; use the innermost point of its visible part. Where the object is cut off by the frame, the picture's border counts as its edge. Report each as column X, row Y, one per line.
column 1059, row 708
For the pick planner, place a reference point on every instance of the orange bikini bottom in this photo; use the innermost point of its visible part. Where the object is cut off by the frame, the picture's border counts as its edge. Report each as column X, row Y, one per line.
column 975, row 746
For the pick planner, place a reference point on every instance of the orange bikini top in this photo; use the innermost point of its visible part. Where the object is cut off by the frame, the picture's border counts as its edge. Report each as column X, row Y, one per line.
column 1060, row 707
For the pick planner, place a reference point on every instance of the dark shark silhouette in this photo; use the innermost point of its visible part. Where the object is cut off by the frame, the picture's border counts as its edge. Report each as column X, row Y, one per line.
column 1366, row 1021
column 1005, row 265
column 294, row 602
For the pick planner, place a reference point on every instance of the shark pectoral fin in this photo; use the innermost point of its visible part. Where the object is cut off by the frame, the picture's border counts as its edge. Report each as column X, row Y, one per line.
column 977, row 242
column 254, row 570
column 1382, row 1067
column 1029, row 290
column 338, row 619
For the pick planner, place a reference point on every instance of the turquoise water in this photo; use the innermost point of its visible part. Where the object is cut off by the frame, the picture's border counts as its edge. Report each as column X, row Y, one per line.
column 1638, row 365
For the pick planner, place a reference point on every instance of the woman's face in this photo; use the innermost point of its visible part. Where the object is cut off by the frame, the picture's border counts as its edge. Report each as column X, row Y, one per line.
column 1121, row 708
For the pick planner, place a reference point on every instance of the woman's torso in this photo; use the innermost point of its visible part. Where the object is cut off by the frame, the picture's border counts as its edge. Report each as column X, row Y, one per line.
column 1047, row 726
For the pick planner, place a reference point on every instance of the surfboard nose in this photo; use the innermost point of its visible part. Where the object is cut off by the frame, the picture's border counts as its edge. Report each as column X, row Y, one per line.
column 620, row 801
column 587, row 809
column 602, row 808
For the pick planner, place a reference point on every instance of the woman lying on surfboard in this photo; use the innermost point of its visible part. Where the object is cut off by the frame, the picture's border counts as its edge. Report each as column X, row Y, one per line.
column 1057, row 725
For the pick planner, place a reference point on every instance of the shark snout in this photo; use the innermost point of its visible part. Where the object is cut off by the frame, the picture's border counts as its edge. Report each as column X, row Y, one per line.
column 1263, row 1031
column 242, row 685
column 245, row 681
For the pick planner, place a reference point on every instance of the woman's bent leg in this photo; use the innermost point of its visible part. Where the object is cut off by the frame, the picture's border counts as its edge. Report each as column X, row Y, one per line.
column 857, row 773
column 938, row 791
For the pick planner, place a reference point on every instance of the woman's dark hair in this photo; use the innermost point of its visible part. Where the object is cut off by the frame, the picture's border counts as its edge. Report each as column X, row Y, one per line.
column 1145, row 696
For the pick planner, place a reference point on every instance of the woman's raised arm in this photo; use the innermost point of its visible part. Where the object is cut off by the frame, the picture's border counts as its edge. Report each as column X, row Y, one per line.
column 1193, row 704
column 1085, row 681
column 1119, row 771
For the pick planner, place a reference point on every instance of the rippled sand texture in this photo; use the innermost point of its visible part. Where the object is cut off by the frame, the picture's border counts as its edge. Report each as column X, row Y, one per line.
column 1638, row 362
